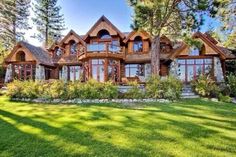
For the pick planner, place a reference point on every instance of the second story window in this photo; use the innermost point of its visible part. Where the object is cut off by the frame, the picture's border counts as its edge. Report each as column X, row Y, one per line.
column 20, row 56
column 138, row 44
column 104, row 34
column 194, row 51
column 73, row 47
column 58, row 52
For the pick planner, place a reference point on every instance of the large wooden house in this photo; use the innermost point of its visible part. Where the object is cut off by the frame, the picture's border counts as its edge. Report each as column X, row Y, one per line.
column 105, row 53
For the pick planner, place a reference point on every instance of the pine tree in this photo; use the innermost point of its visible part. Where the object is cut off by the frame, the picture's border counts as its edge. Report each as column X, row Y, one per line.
column 169, row 17
column 14, row 17
column 48, row 20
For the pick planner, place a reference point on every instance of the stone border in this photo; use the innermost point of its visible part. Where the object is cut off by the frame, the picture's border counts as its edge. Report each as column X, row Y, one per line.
column 90, row 101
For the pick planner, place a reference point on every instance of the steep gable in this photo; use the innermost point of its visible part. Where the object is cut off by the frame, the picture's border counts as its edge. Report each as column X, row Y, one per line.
column 103, row 23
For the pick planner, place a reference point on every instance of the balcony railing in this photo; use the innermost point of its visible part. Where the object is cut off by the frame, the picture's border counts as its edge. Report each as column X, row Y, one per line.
column 96, row 48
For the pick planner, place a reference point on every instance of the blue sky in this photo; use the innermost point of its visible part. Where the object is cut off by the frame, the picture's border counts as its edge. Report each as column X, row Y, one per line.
column 80, row 15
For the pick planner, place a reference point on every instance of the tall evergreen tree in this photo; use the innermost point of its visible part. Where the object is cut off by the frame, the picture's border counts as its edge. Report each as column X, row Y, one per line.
column 169, row 17
column 14, row 17
column 48, row 20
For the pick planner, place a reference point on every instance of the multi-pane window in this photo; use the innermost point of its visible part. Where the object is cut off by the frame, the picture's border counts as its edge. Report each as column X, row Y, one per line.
column 98, row 72
column 189, row 69
column 24, row 71
column 58, row 51
column 74, row 73
column 138, row 44
column 133, row 70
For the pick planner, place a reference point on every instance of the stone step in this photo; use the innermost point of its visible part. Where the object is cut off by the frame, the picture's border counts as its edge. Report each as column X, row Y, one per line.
column 189, row 93
column 190, row 97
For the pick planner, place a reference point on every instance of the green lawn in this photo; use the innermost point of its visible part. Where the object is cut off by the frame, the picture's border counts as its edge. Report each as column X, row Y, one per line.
column 187, row 128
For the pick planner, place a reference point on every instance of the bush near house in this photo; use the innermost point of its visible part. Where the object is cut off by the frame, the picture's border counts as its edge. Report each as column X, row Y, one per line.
column 168, row 88
column 231, row 83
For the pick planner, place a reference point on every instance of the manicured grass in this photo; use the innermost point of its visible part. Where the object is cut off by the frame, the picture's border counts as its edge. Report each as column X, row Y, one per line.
column 186, row 128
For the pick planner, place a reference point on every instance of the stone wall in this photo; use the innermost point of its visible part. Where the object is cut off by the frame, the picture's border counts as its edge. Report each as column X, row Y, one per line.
column 40, row 72
column 218, row 71
column 9, row 74
column 174, row 68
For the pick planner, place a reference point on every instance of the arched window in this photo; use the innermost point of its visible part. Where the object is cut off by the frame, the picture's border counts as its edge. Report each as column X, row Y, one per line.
column 73, row 47
column 138, row 44
column 194, row 51
column 104, row 34
column 58, row 51
column 20, row 56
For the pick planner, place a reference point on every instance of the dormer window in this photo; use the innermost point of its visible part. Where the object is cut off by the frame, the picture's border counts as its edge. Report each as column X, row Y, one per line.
column 104, row 34
column 73, row 47
column 138, row 44
column 194, row 51
column 58, row 52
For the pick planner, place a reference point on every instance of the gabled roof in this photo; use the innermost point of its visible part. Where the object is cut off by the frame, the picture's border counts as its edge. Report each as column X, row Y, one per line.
column 103, row 18
column 72, row 33
column 41, row 55
column 131, row 34
column 211, row 42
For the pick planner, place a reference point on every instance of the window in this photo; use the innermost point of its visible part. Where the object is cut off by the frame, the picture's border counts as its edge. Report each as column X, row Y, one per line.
column 138, row 44
column 189, row 69
column 194, row 51
column 73, row 47
column 133, row 70
column 98, row 72
column 58, row 51
column 114, row 46
column 75, row 73
column 20, row 56
column 104, row 34
column 24, row 71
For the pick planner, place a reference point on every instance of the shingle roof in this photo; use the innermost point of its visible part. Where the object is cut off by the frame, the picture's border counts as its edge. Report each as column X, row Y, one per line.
column 228, row 53
column 39, row 53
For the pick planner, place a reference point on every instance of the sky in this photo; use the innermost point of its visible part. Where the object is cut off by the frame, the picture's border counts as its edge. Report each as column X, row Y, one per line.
column 81, row 15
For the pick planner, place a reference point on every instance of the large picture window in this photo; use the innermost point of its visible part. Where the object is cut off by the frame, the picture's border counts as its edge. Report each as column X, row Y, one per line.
column 134, row 70
column 190, row 69
column 24, row 71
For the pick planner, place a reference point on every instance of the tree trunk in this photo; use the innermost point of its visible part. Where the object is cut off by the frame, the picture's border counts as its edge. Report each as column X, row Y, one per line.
column 155, row 56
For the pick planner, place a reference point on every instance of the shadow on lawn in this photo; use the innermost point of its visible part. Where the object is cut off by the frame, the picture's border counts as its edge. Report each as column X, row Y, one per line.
column 129, row 125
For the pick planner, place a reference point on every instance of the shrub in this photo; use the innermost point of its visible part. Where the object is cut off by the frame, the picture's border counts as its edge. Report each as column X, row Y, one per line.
column 226, row 99
column 171, row 88
column 110, row 91
column 205, row 86
column 135, row 92
column 152, row 87
column 168, row 88
column 73, row 90
column 231, row 83
column 56, row 89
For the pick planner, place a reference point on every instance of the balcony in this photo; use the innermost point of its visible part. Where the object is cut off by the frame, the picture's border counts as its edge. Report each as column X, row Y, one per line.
column 102, row 51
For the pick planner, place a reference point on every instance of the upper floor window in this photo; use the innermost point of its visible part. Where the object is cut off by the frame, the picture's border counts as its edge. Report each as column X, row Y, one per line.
column 58, row 51
column 73, row 47
column 138, row 44
column 20, row 56
column 194, row 51
column 104, row 34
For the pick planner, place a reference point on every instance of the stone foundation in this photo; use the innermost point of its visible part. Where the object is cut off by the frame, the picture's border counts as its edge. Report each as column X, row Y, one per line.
column 218, row 71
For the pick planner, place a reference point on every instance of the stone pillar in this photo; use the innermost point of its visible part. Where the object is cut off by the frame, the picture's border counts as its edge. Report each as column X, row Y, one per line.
column 64, row 73
column 40, row 72
column 147, row 70
column 218, row 71
column 9, row 74
column 174, row 69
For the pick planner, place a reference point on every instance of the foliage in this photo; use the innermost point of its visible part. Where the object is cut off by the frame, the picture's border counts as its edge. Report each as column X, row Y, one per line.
column 14, row 15
column 48, row 20
column 231, row 83
column 226, row 99
column 168, row 88
column 205, row 86
column 134, row 92
column 57, row 89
